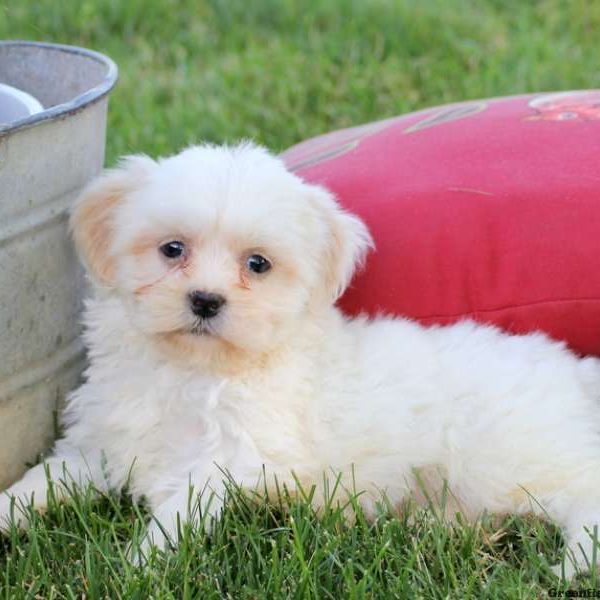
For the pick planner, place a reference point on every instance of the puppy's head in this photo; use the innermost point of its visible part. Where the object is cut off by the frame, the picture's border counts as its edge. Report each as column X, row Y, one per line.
column 216, row 247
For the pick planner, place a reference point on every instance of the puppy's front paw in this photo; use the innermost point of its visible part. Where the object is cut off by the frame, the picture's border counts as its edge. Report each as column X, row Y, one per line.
column 565, row 571
column 5, row 520
column 138, row 552
column 12, row 512
column 574, row 562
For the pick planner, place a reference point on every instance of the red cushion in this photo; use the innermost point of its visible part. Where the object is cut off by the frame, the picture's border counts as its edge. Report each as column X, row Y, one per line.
column 487, row 209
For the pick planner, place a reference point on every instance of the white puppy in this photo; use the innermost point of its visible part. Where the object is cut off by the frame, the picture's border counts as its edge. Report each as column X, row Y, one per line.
column 214, row 343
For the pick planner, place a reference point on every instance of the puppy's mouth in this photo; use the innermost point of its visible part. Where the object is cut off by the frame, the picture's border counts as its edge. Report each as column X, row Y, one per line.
column 202, row 327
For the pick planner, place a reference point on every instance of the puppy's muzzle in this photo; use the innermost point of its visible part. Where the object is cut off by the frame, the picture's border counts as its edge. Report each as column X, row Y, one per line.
column 205, row 304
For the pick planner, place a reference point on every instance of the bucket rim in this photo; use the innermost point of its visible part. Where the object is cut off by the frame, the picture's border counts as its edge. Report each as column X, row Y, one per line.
column 77, row 103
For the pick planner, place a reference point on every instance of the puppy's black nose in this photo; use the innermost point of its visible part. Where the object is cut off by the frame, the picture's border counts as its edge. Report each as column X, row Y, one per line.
column 205, row 304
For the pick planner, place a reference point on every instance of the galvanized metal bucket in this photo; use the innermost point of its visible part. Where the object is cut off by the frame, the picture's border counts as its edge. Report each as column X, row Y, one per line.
column 45, row 160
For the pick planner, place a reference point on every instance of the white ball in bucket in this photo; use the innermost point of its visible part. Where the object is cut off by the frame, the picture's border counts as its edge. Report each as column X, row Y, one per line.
column 16, row 104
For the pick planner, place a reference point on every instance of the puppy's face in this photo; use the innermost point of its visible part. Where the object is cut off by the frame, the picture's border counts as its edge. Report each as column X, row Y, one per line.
column 216, row 247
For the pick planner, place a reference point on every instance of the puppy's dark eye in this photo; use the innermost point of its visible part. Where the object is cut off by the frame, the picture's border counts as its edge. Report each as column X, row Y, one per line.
column 257, row 263
column 173, row 249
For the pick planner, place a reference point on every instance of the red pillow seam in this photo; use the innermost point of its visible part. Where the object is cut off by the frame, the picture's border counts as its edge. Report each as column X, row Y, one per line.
column 507, row 307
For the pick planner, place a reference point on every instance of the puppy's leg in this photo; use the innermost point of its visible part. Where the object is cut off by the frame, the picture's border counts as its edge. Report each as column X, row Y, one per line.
column 580, row 518
column 582, row 543
column 68, row 466
column 198, row 503
column 192, row 504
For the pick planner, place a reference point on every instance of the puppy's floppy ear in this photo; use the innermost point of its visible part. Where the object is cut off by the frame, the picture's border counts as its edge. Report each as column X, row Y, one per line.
column 347, row 242
column 92, row 216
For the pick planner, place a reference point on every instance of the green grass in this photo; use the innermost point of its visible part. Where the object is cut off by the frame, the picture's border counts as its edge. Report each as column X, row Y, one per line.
column 279, row 71
column 283, row 70
column 263, row 550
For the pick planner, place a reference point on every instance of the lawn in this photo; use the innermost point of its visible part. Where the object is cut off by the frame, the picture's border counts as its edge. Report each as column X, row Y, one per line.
column 279, row 71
